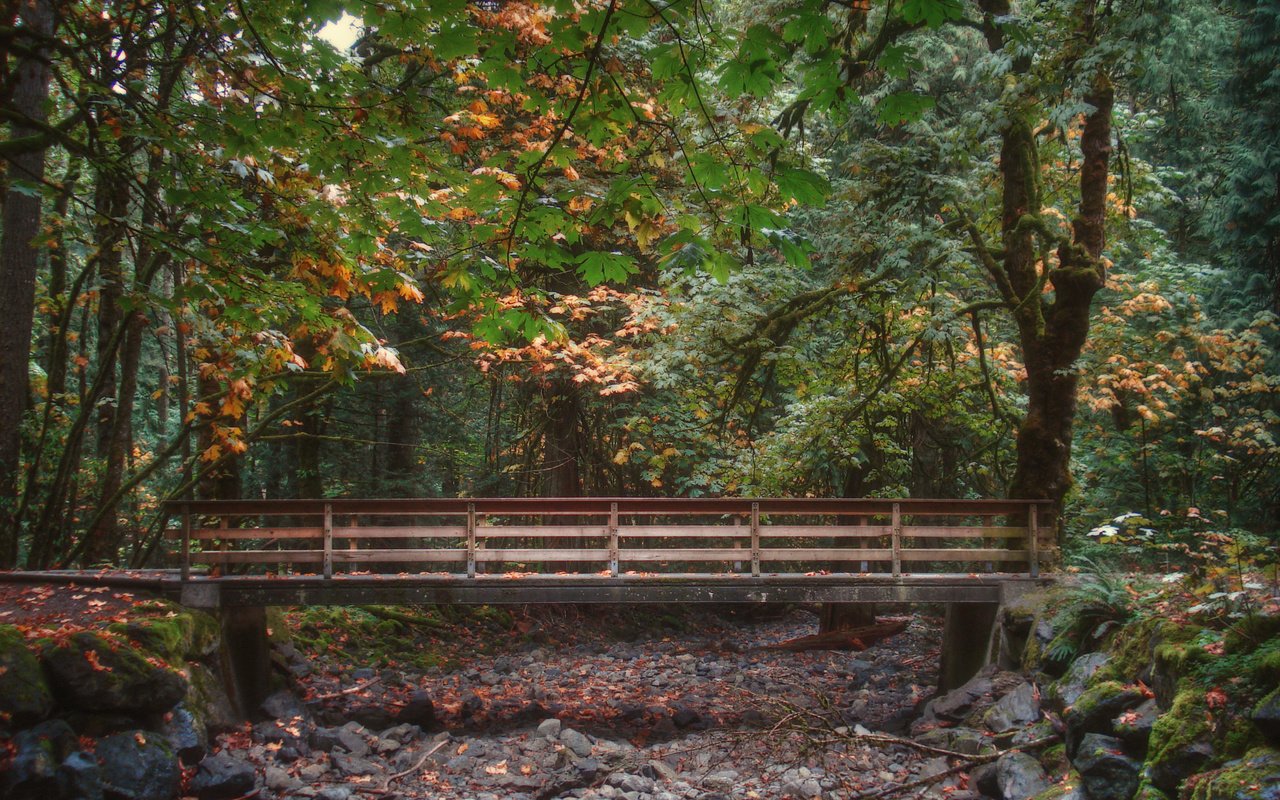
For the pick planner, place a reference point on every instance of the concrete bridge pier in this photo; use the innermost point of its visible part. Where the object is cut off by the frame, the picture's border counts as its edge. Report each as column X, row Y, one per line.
column 245, row 655
column 971, row 634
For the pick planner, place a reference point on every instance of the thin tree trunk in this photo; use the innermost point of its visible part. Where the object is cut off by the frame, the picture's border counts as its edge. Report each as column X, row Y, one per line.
column 56, row 365
column 18, row 262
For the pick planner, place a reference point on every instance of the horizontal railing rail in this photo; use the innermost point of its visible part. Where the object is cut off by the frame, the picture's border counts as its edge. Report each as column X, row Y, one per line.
column 632, row 536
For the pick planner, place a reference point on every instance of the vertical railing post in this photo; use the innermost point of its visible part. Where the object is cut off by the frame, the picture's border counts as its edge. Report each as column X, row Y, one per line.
column 864, row 565
column 1033, row 539
column 896, row 537
column 471, row 540
column 613, row 539
column 755, row 540
column 186, row 542
column 328, row 540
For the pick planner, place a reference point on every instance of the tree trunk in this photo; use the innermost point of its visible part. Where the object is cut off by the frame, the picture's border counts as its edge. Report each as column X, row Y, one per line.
column 18, row 259
column 1052, row 343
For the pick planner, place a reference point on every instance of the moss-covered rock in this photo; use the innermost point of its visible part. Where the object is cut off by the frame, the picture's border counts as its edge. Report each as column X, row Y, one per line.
column 93, row 673
column 24, row 694
column 1133, row 651
column 1078, row 678
column 1266, row 715
column 1069, row 789
column 1181, row 741
column 1096, row 709
column 176, row 635
column 139, row 765
column 1254, row 777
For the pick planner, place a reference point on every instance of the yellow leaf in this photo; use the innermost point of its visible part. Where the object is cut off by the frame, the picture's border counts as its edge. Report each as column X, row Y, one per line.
column 211, row 454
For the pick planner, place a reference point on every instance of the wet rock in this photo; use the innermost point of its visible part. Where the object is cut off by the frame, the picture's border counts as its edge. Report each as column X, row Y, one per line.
column 138, row 765
column 1016, row 709
column 79, row 777
column 1019, row 776
column 25, row 698
column 186, row 735
column 334, row 793
column 1106, row 772
column 208, row 701
column 89, row 673
column 1266, row 717
column 279, row 780
column 287, row 735
column 1077, row 678
column 222, row 776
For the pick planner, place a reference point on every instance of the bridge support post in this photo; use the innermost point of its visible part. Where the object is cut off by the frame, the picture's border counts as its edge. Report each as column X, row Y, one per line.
column 246, row 656
column 966, row 642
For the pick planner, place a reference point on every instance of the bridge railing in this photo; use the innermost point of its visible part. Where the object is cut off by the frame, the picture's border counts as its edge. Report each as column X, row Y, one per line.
column 613, row 536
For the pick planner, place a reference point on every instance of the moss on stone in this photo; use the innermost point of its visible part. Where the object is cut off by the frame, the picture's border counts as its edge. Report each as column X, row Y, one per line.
column 1068, row 787
column 1095, row 695
column 24, row 694
column 1132, row 647
column 1254, row 777
column 1148, row 792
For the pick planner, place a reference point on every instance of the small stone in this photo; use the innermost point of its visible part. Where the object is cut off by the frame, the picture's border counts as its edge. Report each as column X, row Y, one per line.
column 1016, row 709
column 138, row 765
column 352, row 737
column 351, row 766
column 283, row 706
column 549, row 728
column 420, row 710
column 334, row 793
column 686, row 717
column 312, row 772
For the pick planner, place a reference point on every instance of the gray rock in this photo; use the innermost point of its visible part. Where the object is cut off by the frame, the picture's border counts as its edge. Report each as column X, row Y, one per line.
column 549, row 728
column 1019, row 776
column 79, row 777
column 575, row 741
column 334, row 793
column 661, row 770
column 222, row 776
column 1134, row 726
column 377, row 717
column 1173, row 765
column 1069, row 688
column 279, row 780
column 1106, row 772
column 724, row 779
column 186, row 735
column 138, row 765
column 1095, row 710
column 352, row 766
column 352, row 738
column 88, row 673
column 1016, row 709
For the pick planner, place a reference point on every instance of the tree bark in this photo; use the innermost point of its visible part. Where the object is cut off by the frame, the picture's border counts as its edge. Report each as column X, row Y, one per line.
column 18, row 260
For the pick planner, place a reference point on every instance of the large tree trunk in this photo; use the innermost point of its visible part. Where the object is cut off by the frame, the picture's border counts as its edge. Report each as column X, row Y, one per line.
column 18, row 259
column 1053, row 338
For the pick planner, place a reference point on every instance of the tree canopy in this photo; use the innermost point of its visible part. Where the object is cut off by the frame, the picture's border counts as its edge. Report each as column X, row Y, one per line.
column 954, row 248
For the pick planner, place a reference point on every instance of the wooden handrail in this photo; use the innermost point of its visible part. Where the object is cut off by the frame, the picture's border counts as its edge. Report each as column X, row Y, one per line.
column 882, row 532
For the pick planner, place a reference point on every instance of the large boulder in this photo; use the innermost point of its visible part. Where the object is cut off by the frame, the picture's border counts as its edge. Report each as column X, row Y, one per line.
column 1134, row 726
column 24, row 695
column 179, row 635
column 186, row 734
column 79, row 777
column 1105, row 770
column 92, row 673
column 138, row 765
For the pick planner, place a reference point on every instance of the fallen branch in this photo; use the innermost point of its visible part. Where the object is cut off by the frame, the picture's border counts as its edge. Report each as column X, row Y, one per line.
column 348, row 690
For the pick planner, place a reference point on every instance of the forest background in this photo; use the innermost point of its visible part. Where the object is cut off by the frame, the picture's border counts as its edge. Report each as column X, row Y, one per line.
column 932, row 248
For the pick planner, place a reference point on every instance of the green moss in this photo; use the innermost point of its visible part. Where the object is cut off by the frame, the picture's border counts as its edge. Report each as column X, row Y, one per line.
column 1066, row 788
column 24, row 693
column 1256, row 776
column 1054, row 760
column 1096, row 694
column 1187, row 721
column 1148, row 792
column 1133, row 647
column 168, row 637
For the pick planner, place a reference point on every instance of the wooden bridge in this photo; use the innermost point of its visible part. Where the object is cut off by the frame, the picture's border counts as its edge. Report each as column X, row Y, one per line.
column 615, row 550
